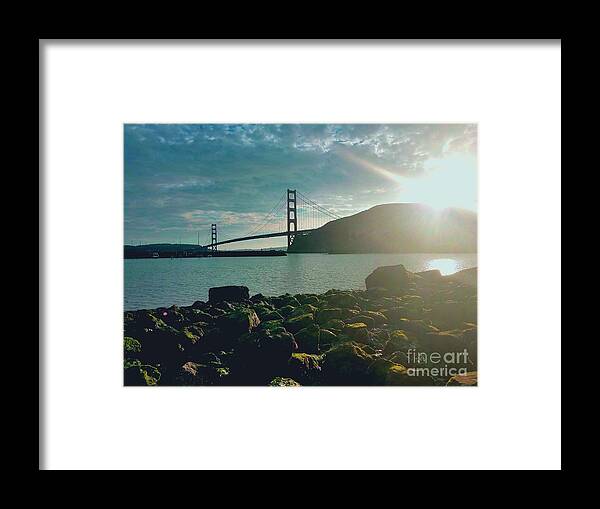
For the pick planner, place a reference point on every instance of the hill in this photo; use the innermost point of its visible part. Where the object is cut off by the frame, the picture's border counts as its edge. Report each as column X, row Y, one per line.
column 395, row 228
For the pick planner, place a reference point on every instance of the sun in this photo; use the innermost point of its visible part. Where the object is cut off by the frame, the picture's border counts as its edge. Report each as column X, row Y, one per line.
column 446, row 182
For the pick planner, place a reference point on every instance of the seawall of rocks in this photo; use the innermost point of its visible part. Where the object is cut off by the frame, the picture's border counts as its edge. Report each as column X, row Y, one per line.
column 404, row 329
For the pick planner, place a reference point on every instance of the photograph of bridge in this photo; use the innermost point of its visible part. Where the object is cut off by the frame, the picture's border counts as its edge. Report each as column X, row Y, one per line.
column 300, row 254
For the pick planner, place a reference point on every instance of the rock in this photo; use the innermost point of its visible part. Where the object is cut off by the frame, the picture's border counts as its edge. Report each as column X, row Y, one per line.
column 284, row 300
column 378, row 318
column 260, row 356
column 452, row 314
column 467, row 276
column 298, row 323
column 401, row 376
column 308, row 339
column 327, row 339
column 324, row 315
column 430, row 276
column 286, row 311
column 347, row 364
column 443, row 342
column 137, row 373
column 238, row 322
column 367, row 320
column 342, row 300
column 394, row 278
column 334, row 324
column 303, row 310
column 467, row 380
column 195, row 373
column 398, row 342
column 131, row 346
column 308, row 299
column 283, row 382
column 228, row 293
column 273, row 315
column 357, row 332
column 306, row 368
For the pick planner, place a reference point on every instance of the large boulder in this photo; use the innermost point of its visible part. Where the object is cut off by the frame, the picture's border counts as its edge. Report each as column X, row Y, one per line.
column 228, row 293
column 393, row 277
column 357, row 332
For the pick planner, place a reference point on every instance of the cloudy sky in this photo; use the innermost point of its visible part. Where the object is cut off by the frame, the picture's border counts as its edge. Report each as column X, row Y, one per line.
column 180, row 178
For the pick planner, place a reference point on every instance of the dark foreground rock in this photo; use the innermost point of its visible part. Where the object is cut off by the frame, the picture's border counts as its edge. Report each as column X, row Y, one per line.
column 228, row 294
column 405, row 329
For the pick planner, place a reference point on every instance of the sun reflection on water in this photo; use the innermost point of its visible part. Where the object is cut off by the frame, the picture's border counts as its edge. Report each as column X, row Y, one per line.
column 444, row 265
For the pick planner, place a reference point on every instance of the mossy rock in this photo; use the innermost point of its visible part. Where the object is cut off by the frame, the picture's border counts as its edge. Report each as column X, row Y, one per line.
column 347, row 364
column 367, row 320
column 284, row 300
column 306, row 368
column 273, row 315
column 303, row 310
column 308, row 299
column 298, row 323
column 342, row 300
column 327, row 339
column 357, row 331
column 397, row 342
column 325, row 315
column 378, row 318
column 308, row 339
column 238, row 322
column 467, row 380
column 286, row 311
column 131, row 345
column 196, row 373
column 334, row 324
column 283, row 382
column 137, row 373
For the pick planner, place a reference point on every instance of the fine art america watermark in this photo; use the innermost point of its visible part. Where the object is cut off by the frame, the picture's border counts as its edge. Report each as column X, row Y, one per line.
column 437, row 364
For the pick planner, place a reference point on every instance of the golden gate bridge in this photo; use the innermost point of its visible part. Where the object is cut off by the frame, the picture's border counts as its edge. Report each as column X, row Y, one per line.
column 302, row 216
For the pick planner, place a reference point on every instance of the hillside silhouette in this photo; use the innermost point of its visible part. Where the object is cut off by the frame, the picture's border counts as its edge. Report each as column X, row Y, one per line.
column 395, row 228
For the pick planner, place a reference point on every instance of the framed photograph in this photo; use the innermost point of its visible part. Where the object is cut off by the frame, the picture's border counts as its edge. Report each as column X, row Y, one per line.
column 296, row 255
column 300, row 254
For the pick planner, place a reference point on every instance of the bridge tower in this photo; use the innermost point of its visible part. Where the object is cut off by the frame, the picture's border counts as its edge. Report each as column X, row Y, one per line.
column 213, row 235
column 292, row 219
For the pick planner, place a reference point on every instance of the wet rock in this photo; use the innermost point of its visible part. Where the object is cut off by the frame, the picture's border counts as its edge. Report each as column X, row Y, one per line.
column 298, row 323
column 228, row 293
column 238, row 322
column 308, row 339
column 283, row 382
column 394, row 278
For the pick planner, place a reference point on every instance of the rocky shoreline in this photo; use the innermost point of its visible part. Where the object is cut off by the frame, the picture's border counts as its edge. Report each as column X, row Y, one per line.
column 404, row 329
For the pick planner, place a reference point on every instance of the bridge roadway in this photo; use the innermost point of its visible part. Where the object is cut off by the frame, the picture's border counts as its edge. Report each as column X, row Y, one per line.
column 262, row 236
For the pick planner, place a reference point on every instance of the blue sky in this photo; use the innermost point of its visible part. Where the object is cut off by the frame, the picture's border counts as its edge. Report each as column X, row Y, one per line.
column 180, row 178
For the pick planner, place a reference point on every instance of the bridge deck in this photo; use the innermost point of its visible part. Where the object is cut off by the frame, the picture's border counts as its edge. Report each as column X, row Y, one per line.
column 262, row 236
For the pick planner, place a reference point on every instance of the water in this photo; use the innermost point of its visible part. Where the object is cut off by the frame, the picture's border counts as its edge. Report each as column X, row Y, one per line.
column 151, row 283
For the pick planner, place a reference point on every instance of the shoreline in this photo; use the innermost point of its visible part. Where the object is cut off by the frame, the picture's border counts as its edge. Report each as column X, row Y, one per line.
column 403, row 329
